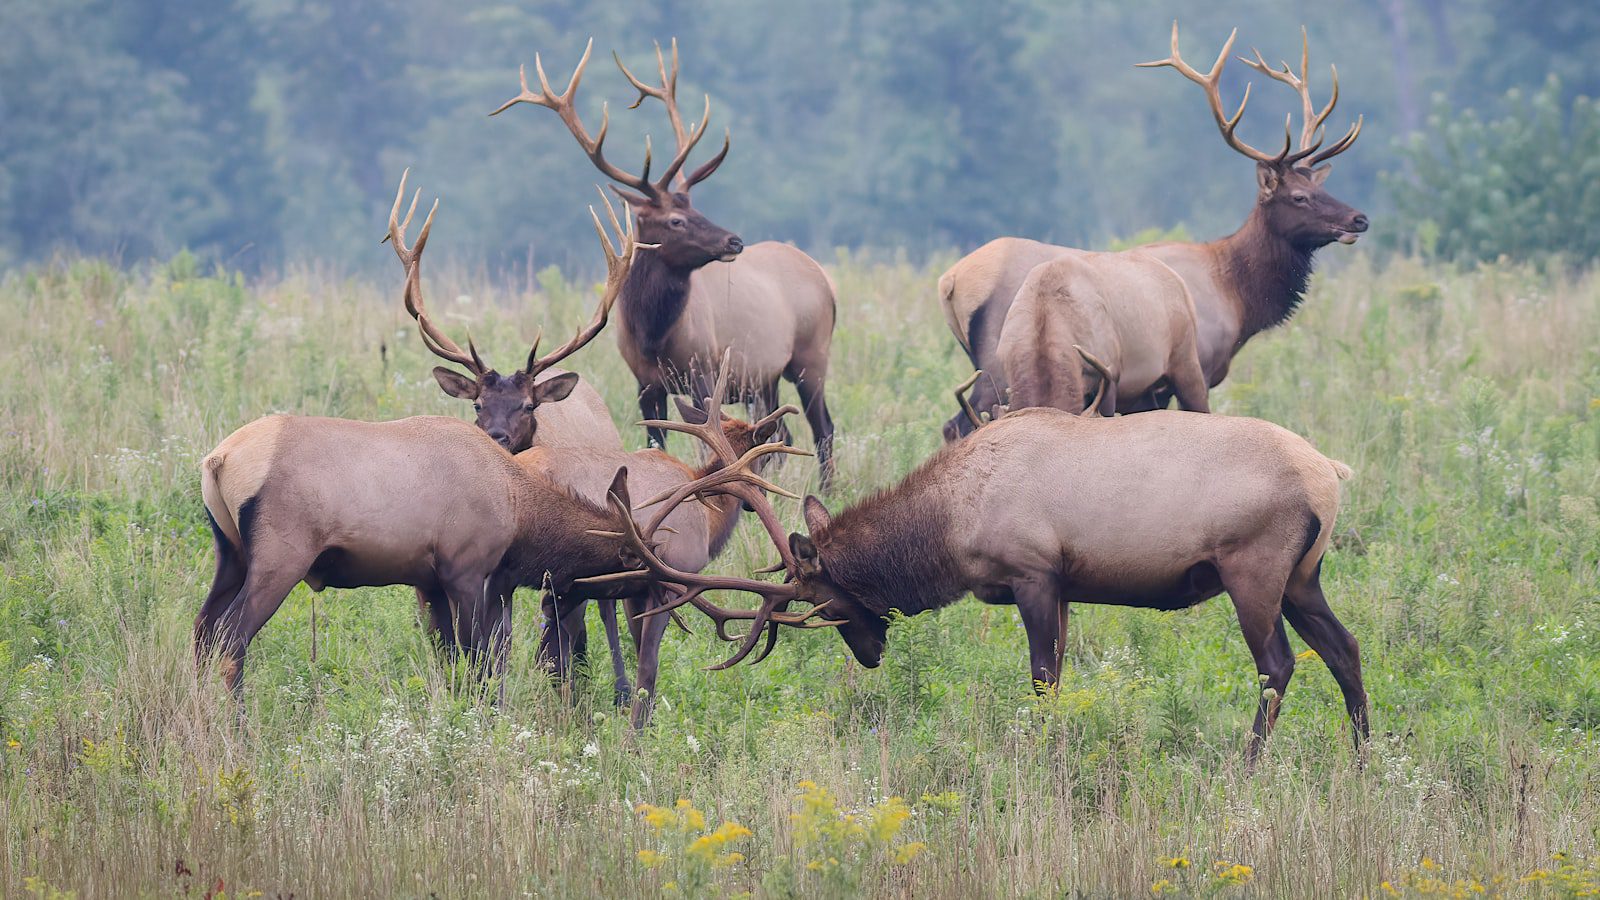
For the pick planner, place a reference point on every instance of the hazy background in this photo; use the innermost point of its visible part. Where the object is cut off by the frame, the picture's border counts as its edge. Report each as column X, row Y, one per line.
column 265, row 132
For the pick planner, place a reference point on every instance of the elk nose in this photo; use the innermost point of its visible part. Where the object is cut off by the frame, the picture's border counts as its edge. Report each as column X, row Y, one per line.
column 734, row 244
column 1359, row 223
column 501, row 438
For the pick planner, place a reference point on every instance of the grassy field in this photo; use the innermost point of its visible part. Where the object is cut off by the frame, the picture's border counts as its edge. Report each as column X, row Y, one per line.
column 1467, row 562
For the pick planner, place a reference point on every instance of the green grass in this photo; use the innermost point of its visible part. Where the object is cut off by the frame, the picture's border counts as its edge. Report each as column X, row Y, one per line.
column 1467, row 563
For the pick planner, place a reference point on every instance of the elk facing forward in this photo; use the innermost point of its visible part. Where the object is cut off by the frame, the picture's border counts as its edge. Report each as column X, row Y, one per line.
column 701, row 292
column 1242, row 284
column 1041, row 508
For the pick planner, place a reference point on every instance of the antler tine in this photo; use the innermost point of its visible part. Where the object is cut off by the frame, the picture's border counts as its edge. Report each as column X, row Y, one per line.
column 719, row 388
column 618, row 264
column 435, row 340
column 1341, row 145
column 966, row 404
column 667, row 93
column 563, row 106
column 1313, row 122
column 787, row 409
column 1211, row 83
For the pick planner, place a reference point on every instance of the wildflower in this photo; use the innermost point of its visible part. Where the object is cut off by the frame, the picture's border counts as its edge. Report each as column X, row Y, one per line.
column 1163, row 886
column 1389, row 889
column 14, row 744
column 591, row 749
column 907, row 852
column 694, row 744
column 1429, row 864
column 651, row 859
column 1177, row 862
column 1233, row 873
column 1307, row 655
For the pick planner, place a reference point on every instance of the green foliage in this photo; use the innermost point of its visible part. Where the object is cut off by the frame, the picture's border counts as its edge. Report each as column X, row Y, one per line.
column 1526, row 185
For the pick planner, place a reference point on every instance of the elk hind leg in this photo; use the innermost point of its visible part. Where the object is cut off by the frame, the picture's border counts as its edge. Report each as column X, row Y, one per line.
column 1044, row 618
column 1188, row 383
column 265, row 589
column 654, row 629
column 225, row 586
column 622, row 689
column 653, row 405
column 1307, row 610
column 1257, row 594
column 810, row 383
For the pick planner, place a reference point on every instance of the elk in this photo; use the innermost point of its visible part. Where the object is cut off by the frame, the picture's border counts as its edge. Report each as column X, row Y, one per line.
column 692, row 535
column 1160, row 511
column 700, row 292
column 539, row 403
column 1241, row 285
column 1129, row 317
column 429, row 501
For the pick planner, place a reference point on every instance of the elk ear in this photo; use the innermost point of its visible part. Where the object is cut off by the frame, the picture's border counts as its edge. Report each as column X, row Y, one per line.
column 692, row 414
column 764, row 434
column 456, row 384
column 554, row 389
column 635, row 201
column 817, row 518
column 1267, row 178
column 1320, row 174
column 805, row 553
column 619, row 488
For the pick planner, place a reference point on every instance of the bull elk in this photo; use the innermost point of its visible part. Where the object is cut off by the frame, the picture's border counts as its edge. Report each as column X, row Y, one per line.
column 430, row 502
column 1162, row 511
column 701, row 292
column 537, row 404
column 1241, row 285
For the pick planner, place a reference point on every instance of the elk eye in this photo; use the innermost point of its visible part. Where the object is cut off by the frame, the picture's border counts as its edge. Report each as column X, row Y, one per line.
column 527, row 407
column 1301, row 199
column 675, row 222
column 477, row 407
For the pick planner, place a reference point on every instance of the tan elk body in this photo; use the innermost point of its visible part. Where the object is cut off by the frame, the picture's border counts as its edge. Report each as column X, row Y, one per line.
column 1129, row 311
column 1042, row 508
column 700, row 292
column 1241, row 284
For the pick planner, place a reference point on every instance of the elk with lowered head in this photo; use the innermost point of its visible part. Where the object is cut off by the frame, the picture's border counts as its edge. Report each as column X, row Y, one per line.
column 690, row 536
column 701, row 292
column 1241, row 285
column 1042, row 508
column 428, row 501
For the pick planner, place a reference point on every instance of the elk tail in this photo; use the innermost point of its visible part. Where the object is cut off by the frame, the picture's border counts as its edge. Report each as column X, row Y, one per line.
column 216, row 504
column 1342, row 471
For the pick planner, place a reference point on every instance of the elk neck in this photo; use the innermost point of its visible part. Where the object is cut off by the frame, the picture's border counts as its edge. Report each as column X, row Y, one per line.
column 892, row 550
column 653, row 299
column 1266, row 272
column 722, row 517
column 552, row 531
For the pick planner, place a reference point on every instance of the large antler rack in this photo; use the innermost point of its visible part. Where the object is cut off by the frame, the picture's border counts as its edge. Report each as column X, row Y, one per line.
column 1312, row 127
column 593, row 147
column 619, row 262
column 411, row 258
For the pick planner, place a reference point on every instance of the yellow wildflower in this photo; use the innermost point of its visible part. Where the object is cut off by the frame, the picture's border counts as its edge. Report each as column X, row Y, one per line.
column 1307, row 655
column 1429, row 864
column 14, row 744
column 1163, row 886
column 1177, row 862
column 907, row 852
column 651, row 859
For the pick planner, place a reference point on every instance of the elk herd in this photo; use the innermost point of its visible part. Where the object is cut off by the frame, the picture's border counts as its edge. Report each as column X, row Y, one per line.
column 1064, row 478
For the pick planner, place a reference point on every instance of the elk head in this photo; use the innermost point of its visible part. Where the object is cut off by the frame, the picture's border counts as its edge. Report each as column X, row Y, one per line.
column 1290, row 197
column 505, row 404
column 686, row 238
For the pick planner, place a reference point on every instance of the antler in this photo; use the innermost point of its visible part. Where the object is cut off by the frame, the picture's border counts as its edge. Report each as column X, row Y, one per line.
column 1311, row 132
column 618, row 263
column 695, row 585
column 973, row 415
column 667, row 93
column 411, row 257
column 562, row 105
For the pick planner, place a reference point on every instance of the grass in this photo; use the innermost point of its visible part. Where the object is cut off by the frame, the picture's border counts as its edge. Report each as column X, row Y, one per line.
column 1467, row 562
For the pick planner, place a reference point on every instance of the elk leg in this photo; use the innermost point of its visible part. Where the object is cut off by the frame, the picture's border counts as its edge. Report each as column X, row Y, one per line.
column 438, row 618
column 766, row 402
column 811, row 386
column 1044, row 612
column 265, row 588
column 1188, row 384
column 1308, row 611
column 225, row 586
column 655, row 628
column 622, row 691
column 1258, row 600
column 653, row 405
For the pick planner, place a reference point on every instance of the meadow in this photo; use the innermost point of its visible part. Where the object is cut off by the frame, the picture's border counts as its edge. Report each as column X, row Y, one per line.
column 1467, row 562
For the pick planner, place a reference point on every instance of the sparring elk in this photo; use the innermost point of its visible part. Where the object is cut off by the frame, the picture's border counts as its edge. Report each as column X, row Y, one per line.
column 1127, row 315
column 430, row 502
column 690, row 536
column 1041, row 508
column 1241, row 285
column 701, row 292
column 539, row 403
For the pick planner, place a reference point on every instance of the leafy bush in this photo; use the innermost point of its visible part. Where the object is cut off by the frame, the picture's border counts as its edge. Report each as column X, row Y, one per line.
column 1525, row 186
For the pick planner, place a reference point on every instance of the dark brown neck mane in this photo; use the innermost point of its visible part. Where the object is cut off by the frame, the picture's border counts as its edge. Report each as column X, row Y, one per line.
column 653, row 299
column 1267, row 272
column 891, row 550
column 553, row 545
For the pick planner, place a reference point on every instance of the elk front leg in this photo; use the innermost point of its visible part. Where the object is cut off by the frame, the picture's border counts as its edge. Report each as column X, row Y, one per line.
column 622, row 690
column 1257, row 596
column 438, row 618
column 810, row 383
column 655, row 628
column 653, row 405
column 1044, row 618
column 1188, row 383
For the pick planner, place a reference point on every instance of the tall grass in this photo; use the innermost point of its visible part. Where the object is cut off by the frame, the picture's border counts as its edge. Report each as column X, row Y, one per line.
column 1467, row 562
